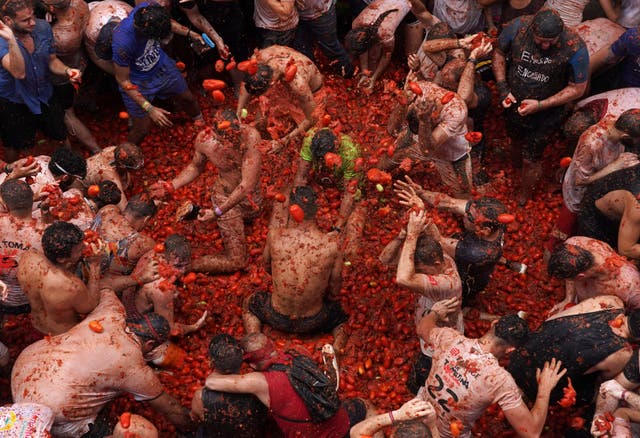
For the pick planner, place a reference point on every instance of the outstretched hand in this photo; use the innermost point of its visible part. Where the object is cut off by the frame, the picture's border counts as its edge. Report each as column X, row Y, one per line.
column 415, row 408
column 445, row 308
column 549, row 376
column 417, row 223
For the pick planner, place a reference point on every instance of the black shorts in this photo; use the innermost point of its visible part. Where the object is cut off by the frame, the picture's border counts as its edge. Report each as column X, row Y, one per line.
column 64, row 95
column 536, row 128
column 419, row 372
column 330, row 316
column 276, row 37
column 356, row 410
column 18, row 124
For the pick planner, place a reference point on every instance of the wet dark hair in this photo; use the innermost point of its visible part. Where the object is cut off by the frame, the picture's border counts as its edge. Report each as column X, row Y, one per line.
column 489, row 208
column 109, row 194
column 547, row 24
column 411, row 429
column 305, row 197
column 153, row 22
column 629, row 122
column 413, row 121
column 567, row 261
column 512, row 329
column 11, row 7
column 258, row 83
column 150, row 327
column 67, row 162
column 440, row 30
column 178, row 246
column 359, row 39
column 633, row 321
column 128, row 155
column 456, row 67
column 323, row 141
column 579, row 122
column 16, row 194
column 141, row 206
column 59, row 239
column 428, row 251
column 105, row 37
column 225, row 353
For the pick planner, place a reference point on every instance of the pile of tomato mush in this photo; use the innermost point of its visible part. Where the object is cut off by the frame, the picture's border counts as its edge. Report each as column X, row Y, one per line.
column 383, row 341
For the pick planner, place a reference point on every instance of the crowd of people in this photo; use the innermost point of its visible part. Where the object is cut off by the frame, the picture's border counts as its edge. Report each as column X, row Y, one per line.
column 83, row 266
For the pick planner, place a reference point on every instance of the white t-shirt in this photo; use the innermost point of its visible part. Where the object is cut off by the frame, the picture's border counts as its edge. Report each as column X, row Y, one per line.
column 463, row 16
column 569, row 10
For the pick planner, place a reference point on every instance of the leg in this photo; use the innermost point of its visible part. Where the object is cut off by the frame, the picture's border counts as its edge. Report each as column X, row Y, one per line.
column 340, row 338
column 234, row 257
column 353, row 232
column 413, row 35
column 251, row 322
column 531, row 173
column 139, row 129
column 324, row 30
column 76, row 128
column 189, row 104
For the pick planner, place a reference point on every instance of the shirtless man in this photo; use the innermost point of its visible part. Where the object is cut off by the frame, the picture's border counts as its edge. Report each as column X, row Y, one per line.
column 103, row 12
column 59, row 299
column 474, row 378
column 236, row 194
column 306, row 270
column 71, row 17
column 592, row 268
column 305, row 88
column 80, row 372
column 426, row 270
column 122, row 229
column 158, row 296
column 114, row 163
column 21, row 231
column 372, row 37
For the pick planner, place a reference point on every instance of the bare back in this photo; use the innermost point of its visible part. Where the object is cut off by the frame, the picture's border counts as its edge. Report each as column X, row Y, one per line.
column 302, row 261
column 307, row 77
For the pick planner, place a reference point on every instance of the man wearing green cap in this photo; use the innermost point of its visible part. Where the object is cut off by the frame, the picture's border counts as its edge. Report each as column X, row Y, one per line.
column 548, row 67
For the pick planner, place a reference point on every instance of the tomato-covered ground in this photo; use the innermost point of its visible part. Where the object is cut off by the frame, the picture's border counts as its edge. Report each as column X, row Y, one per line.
column 382, row 334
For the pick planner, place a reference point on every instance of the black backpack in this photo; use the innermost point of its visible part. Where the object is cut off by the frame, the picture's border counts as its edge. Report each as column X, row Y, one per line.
column 312, row 385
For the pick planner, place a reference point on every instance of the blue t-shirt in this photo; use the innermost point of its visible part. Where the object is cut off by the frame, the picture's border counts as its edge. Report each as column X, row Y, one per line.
column 143, row 56
column 628, row 46
column 36, row 87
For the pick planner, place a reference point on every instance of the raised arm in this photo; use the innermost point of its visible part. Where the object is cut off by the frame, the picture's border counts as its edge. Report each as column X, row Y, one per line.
column 13, row 62
column 201, row 23
column 530, row 423
column 422, row 13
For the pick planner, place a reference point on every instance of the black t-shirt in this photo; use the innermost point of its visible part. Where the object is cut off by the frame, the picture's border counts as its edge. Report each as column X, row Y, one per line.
column 229, row 415
column 476, row 259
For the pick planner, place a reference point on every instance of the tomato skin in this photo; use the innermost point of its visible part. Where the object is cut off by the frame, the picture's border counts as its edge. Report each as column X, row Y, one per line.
column 565, row 162
column 290, row 72
column 296, row 213
column 219, row 66
column 415, row 88
column 96, row 326
column 447, row 97
column 125, row 420
column 93, row 191
column 213, row 84
column 218, row 96
column 506, row 218
column 158, row 248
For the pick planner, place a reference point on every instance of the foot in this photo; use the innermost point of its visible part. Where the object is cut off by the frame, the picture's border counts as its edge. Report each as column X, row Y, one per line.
column 331, row 364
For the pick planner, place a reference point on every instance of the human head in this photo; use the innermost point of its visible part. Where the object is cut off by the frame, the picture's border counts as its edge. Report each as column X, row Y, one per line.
column 16, row 195
column 567, row 261
column 105, row 37
column 428, row 251
column 153, row 22
column 579, row 122
column 323, row 141
column 56, row 5
column 225, row 353
column 411, row 429
column 109, row 194
column 62, row 241
column 359, row 39
column 128, row 156
column 440, row 30
column 449, row 76
column 481, row 215
column 260, row 82
column 258, row 349
column 177, row 250
column 629, row 124
column 547, row 27
column 152, row 330
column 305, row 197
column 141, row 207
column 66, row 165
column 18, row 15
column 139, row 427
column 511, row 330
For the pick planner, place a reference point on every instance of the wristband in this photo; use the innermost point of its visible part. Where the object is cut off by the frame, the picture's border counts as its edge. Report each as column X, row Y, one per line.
column 66, row 71
column 146, row 106
column 539, row 105
column 7, row 169
column 472, row 60
column 217, row 211
column 458, row 43
column 393, row 421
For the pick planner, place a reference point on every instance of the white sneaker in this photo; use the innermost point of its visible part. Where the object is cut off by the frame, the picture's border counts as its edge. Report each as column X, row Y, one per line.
column 331, row 364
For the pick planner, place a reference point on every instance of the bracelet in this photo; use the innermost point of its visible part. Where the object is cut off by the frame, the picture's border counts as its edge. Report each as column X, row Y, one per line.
column 458, row 43
column 393, row 421
column 66, row 71
column 218, row 212
column 7, row 169
column 137, row 280
column 146, row 106
column 539, row 105
column 473, row 60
